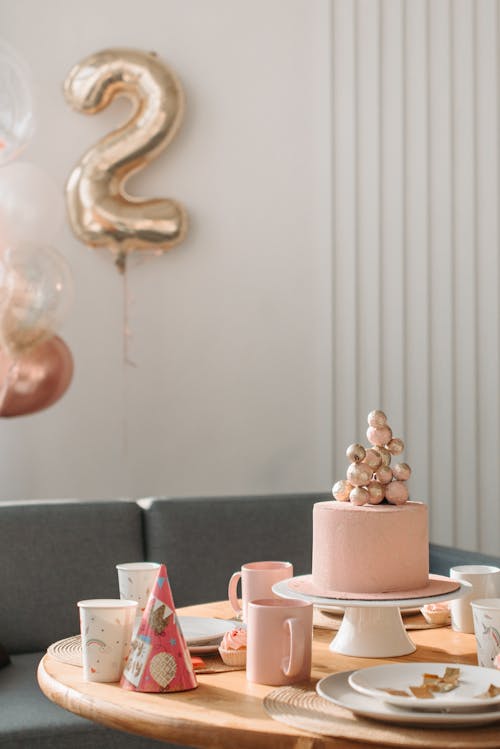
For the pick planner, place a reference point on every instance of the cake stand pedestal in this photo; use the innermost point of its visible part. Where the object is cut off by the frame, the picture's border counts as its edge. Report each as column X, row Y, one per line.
column 370, row 629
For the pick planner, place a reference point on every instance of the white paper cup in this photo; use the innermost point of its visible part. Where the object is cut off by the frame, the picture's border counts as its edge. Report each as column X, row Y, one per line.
column 106, row 627
column 486, row 613
column 484, row 581
column 136, row 581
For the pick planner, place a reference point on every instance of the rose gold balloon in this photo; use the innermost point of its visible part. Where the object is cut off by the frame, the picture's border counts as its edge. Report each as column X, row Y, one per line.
column 36, row 380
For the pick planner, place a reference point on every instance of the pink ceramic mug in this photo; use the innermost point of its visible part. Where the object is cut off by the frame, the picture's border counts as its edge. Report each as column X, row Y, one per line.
column 279, row 640
column 257, row 580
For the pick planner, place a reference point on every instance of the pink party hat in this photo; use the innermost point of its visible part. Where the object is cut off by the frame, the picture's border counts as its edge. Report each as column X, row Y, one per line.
column 159, row 659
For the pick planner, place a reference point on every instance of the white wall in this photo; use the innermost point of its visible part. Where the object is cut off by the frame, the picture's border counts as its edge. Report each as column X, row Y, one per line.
column 338, row 155
column 230, row 332
column 416, row 198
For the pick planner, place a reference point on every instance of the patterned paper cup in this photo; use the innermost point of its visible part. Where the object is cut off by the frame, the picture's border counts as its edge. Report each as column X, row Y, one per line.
column 486, row 612
column 136, row 580
column 106, row 627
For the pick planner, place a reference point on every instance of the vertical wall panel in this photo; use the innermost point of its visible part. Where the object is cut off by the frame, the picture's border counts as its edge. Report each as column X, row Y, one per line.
column 463, row 93
column 368, row 289
column 416, row 248
column 416, row 176
column 345, row 227
column 392, row 174
column 487, row 200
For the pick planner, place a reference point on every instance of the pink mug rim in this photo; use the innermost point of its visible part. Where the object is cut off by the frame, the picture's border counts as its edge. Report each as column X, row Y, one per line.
column 266, row 565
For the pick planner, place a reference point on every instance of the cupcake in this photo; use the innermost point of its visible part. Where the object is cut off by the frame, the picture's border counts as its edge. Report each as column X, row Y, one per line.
column 233, row 648
column 436, row 613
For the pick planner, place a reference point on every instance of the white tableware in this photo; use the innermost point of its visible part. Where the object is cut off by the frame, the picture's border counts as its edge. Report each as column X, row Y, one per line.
column 485, row 583
column 210, row 647
column 106, row 626
column 473, row 681
column 200, row 630
column 335, row 688
column 370, row 628
column 486, row 613
column 136, row 580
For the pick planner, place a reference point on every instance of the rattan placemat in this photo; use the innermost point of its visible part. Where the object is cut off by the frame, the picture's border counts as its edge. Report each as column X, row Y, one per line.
column 304, row 709
column 69, row 651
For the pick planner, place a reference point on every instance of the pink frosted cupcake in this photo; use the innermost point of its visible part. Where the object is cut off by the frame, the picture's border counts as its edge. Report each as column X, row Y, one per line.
column 233, row 648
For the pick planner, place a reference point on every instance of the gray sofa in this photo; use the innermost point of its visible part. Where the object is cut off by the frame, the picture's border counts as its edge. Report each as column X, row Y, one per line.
column 54, row 553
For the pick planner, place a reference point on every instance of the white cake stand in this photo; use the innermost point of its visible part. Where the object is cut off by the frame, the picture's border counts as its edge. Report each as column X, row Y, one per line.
column 370, row 629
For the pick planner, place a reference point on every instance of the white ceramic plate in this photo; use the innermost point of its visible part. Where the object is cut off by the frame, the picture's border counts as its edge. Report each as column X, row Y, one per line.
column 199, row 630
column 211, row 647
column 336, row 689
column 473, row 680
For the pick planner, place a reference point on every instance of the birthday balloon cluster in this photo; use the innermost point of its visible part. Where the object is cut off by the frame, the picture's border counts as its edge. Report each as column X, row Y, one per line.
column 36, row 284
column 370, row 479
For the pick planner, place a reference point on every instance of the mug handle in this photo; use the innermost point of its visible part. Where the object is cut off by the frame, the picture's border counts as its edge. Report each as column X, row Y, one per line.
column 232, row 593
column 297, row 647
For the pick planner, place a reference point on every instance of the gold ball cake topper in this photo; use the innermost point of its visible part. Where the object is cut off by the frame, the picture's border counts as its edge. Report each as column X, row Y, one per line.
column 370, row 479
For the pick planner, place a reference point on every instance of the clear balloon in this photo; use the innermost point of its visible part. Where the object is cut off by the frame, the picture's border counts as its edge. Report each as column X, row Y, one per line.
column 37, row 287
column 31, row 205
column 36, row 380
column 17, row 122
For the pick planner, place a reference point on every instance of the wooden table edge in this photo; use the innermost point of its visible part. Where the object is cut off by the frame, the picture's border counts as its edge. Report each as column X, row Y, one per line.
column 173, row 729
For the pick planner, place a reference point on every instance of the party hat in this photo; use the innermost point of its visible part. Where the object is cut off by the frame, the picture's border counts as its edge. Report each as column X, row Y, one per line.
column 159, row 659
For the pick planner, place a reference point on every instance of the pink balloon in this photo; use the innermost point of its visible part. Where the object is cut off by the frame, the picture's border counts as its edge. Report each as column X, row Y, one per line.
column 35, row 380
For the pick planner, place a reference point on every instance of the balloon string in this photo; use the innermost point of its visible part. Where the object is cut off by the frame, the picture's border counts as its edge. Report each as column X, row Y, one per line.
column 127, row 361
column 9, row 379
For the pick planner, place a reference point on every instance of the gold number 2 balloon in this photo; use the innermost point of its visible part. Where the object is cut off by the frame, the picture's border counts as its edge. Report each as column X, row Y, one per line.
column 101, row 213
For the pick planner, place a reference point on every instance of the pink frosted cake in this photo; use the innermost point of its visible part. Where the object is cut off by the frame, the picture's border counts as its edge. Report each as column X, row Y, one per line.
column 370, row 548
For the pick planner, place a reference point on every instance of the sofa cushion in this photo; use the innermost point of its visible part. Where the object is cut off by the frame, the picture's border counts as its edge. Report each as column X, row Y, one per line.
column 30, row 720
column 204, row 540
column 442, row 558
column 53, row 554
column 4, row 656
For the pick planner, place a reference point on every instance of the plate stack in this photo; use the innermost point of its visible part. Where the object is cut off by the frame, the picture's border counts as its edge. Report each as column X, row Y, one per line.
column 440, row 694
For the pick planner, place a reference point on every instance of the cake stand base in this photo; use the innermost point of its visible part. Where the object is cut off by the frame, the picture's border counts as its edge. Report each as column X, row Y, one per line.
column 372, row 632
column 369, row 629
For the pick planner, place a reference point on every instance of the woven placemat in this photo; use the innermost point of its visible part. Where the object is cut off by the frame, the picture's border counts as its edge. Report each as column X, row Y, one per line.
column 328, row 620
column 69, row 651
column 304, row 709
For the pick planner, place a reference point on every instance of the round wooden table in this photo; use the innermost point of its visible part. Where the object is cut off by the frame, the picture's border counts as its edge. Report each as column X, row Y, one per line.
column 226, row 711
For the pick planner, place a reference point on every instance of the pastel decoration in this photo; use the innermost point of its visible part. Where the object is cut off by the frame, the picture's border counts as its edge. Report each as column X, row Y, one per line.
column 373, row 458
column 355, row 453
column 359, row 495
column 159, row 659
column 377, row 419
column 379, row 435
column 341, row 490
column 396, row 492
column 359, row 474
